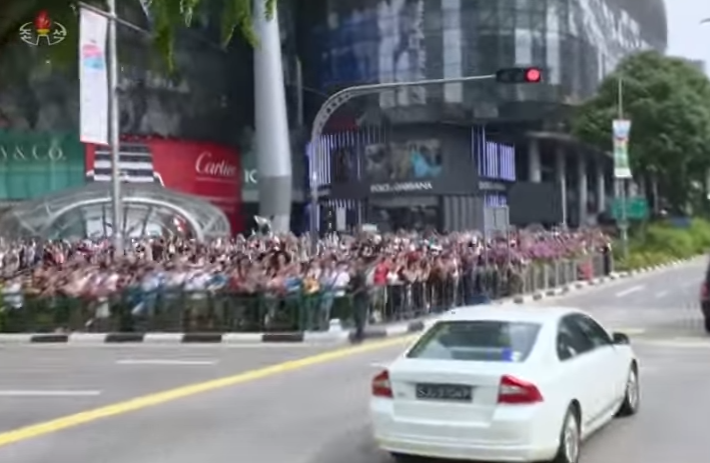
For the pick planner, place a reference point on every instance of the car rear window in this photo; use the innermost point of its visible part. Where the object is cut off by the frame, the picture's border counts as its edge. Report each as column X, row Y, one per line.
column 479, row 340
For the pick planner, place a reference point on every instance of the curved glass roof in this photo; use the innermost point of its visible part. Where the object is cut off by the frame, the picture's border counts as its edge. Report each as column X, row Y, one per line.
column 148, row 209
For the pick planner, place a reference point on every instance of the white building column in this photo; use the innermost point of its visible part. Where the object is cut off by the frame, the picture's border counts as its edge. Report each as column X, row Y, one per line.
column 582, row 186
column 601, row 188
column 272, row 139
column 534, row 165
column 561, row 179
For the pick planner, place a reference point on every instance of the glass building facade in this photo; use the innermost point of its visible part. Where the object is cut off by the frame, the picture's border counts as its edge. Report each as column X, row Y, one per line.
column 148, row 210
column 577, row 42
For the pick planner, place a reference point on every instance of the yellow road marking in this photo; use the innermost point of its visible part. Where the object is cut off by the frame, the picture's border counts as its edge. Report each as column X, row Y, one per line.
column 151, row 400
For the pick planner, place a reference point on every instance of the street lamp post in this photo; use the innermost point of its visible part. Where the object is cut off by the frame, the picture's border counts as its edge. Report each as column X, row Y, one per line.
column 623, row 220
column 340, row 98
column 114, row 126
column 114, row 132
column 313, row 226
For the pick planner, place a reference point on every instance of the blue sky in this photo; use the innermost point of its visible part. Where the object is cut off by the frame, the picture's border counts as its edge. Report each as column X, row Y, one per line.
column 686, row 37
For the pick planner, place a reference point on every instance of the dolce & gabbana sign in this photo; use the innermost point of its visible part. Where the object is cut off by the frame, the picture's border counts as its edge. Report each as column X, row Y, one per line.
column 401, row 187
column 31, row 153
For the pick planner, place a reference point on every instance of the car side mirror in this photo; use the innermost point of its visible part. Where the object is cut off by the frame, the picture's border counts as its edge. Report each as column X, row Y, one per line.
column 620, row 338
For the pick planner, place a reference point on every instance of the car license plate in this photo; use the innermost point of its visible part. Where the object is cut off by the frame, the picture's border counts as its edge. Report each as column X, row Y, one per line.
column 453, row 392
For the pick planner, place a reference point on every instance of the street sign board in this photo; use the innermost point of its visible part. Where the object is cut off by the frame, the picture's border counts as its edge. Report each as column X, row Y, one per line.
column 636, row 208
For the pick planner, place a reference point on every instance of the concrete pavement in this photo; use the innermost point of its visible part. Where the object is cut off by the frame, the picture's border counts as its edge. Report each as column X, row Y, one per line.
column 316, row 413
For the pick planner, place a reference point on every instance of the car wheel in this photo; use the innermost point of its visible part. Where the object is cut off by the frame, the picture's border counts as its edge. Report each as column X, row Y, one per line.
column 707, row 325
column 570, row 439
column 632, row 396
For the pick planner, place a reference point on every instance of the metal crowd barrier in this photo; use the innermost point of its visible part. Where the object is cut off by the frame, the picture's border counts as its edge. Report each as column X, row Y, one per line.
column 226, row 311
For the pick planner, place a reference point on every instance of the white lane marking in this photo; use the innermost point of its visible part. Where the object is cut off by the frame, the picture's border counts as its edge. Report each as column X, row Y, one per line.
column 48, row 393
column 631, row 290
column 678, row 343
column 629, row 331
column 661, row 294
column 165, row 362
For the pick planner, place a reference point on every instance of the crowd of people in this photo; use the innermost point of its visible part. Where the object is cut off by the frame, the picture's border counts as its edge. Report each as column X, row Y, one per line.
column 363, row 277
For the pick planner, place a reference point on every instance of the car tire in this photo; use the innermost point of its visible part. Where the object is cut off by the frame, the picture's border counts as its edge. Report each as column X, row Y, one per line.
column 707, row 325
column 632, row 394
column 570, row 438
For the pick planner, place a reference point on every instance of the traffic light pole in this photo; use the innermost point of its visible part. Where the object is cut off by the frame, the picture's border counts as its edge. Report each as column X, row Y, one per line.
column 340, row 98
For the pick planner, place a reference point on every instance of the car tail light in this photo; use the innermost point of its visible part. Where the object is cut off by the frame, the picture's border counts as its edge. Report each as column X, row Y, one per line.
column 516, row 391
column 704, row 291
column 381, row 386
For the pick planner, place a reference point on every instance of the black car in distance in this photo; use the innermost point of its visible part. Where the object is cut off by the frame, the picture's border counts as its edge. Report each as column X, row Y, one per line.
column 705, row 300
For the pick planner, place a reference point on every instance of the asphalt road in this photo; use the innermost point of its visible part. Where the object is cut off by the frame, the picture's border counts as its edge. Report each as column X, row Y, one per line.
column 42, row 383
column 317, row 414
column 662, row 304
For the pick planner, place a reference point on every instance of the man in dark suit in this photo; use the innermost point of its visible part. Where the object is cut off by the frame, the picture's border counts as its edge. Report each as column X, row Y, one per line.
column 361, row 298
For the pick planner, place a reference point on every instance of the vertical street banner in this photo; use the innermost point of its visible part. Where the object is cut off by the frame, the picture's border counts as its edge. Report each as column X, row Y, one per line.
column 621, row 129
column 93, row 79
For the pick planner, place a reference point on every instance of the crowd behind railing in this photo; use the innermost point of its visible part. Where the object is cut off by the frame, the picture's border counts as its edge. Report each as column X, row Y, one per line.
column 274, row 283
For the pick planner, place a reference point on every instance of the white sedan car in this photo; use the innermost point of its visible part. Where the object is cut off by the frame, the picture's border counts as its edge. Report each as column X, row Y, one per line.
column 504, row 383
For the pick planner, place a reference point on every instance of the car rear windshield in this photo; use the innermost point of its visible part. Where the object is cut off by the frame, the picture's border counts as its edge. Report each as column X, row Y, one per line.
column 479, row 340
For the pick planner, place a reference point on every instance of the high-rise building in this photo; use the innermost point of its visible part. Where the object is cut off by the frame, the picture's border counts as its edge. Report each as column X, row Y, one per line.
column 478, row 139
column 699, row 64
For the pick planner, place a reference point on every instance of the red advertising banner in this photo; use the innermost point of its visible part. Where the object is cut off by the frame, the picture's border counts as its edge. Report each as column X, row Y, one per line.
column 207, row 170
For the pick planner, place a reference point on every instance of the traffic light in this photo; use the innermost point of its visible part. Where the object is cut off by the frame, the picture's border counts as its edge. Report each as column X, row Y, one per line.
column 519, row 76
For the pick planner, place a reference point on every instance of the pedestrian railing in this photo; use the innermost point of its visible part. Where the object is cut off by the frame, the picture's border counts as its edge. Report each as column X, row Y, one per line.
column 229, row 311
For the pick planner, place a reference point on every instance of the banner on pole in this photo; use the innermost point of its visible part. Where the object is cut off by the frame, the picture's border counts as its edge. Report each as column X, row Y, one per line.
column 621, row 129
column 93, row 79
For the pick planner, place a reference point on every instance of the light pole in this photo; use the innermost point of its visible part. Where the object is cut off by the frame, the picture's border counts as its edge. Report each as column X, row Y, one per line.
column 623, row 220
column 114, row 126
column 313, row 216
column 114, row 132
column 340, row 98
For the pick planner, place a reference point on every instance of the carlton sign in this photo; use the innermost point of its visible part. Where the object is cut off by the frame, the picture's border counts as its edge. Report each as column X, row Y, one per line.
column 205, row 165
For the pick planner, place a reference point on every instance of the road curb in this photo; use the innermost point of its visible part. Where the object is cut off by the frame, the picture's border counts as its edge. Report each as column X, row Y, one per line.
column 335, row 335
column 372, row 332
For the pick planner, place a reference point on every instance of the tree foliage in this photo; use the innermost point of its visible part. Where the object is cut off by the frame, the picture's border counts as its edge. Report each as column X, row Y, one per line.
column 168, row 17
column 668, row 101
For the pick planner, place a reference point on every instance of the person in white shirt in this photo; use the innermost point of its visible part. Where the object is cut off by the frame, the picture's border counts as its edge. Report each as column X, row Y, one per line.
column 12, row 295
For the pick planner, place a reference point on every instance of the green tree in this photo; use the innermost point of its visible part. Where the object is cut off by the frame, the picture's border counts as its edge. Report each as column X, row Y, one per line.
column 667, row 101
column 169, row 16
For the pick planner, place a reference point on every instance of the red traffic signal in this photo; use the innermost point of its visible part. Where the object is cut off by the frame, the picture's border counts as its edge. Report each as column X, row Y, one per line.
column 519, row 76
column 533, row 75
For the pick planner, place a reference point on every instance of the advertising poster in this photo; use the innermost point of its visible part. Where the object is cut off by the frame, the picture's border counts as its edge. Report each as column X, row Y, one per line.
column 93, row 78
column 621, row 129
column 34, row 164
column 409, row 166
column 207, row 170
